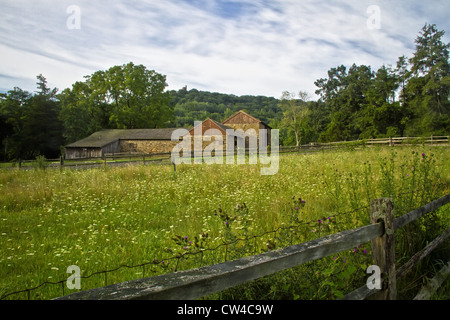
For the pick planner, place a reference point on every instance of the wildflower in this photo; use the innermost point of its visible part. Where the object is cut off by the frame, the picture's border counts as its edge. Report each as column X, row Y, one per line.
column 320, row 221
column 423, row 155
column 365, row 251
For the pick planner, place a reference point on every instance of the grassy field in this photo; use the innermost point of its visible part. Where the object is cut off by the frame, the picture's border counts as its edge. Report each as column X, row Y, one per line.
column 99, row 219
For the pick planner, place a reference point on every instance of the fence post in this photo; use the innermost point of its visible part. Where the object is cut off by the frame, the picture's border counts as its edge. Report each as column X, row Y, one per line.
column 383, row 247
column 174, row 165
column 61, row 163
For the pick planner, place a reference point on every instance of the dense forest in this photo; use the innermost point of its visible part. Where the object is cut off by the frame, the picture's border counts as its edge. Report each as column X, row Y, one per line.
column 410, row 98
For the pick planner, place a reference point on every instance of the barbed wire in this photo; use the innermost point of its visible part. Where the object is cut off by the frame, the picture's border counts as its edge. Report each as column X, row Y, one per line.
column 186, row 254
column 178, row 257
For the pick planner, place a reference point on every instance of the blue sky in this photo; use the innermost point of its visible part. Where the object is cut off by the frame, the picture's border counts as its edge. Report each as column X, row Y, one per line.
column 247, row 47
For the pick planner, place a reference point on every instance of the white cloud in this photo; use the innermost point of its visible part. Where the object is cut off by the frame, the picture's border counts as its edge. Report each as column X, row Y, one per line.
column 240, row 47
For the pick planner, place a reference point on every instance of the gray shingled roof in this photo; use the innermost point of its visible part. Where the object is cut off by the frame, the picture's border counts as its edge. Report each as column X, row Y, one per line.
column 102, row 138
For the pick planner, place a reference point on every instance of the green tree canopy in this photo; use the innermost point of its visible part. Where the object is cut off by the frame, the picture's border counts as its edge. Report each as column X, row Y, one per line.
column 33, row 127
column 428, row 88
column 124, row 97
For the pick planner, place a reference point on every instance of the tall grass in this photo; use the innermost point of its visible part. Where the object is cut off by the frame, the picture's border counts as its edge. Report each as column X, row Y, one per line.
column 99, row 219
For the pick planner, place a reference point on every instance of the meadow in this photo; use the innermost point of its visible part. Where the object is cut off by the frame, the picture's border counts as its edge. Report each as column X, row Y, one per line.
column 100, row 219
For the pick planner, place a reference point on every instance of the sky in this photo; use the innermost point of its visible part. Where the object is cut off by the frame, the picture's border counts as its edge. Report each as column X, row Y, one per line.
column 246, row 47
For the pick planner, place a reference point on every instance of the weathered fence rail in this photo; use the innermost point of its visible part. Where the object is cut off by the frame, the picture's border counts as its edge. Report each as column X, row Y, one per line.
column 120, row 159
column 391, row 141
column 196, row 283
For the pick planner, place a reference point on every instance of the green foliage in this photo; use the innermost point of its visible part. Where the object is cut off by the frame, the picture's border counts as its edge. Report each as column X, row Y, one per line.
column 123, row 97
column 32, row 124
column 295, row 111
column 363, row 103
column 41, row 163
column 194, row 105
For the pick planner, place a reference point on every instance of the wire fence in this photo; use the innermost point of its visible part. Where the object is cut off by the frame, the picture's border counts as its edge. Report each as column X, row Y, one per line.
column 231, row 247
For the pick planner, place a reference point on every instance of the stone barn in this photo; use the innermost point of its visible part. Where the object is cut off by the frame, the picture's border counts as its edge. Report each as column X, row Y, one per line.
column 143, row 141
column 240, row 120
column 204, row 129
column 147, row 141
column 244, row 121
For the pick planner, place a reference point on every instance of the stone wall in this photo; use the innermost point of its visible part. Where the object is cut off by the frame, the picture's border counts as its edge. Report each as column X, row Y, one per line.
column 205, row 144
column 245, row 127
column 255, row 126
column 147, row 146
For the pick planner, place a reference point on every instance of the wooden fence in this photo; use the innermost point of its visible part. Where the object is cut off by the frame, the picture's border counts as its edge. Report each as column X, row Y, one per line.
column 391, row 141
column 120, row 159
column 196, row 283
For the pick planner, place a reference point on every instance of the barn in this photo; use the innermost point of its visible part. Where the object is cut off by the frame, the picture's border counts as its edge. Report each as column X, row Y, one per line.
column 242, row 120
column 121, row 140
column 207, row 129
column 147, row 141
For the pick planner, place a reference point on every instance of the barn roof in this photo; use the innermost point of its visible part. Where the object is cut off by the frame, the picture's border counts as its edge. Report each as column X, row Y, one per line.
column 211, row 123
column 102, row 138
column 234, row 117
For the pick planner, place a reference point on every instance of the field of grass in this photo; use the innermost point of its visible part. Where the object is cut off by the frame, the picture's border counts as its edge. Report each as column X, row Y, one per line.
column 99, row 219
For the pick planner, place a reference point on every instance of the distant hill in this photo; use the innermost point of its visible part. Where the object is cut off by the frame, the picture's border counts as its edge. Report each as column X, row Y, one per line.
column 194, row 105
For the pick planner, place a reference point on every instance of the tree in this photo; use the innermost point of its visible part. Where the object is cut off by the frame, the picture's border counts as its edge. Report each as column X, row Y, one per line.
column 83, row 111
column 344, row 93
column 33, row 125
column 123, row 97
column 427, row 91
column 331, row 87
column 138, row 96
column 42, row 129
column 381, row 115
column 402, row 74
column 13, row 108
column 295, row 110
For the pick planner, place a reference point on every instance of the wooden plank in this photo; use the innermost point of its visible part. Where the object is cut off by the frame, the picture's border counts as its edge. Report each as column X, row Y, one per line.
column 364, row 292
column 427, row 292
column 361, row 293
column 423, row 253
column 419, row 212
column 192, row 284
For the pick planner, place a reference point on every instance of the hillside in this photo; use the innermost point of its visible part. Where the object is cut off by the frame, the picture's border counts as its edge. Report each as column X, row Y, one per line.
column 194, row 105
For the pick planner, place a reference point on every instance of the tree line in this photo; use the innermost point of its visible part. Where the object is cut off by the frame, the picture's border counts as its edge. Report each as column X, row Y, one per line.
column 410, row 98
